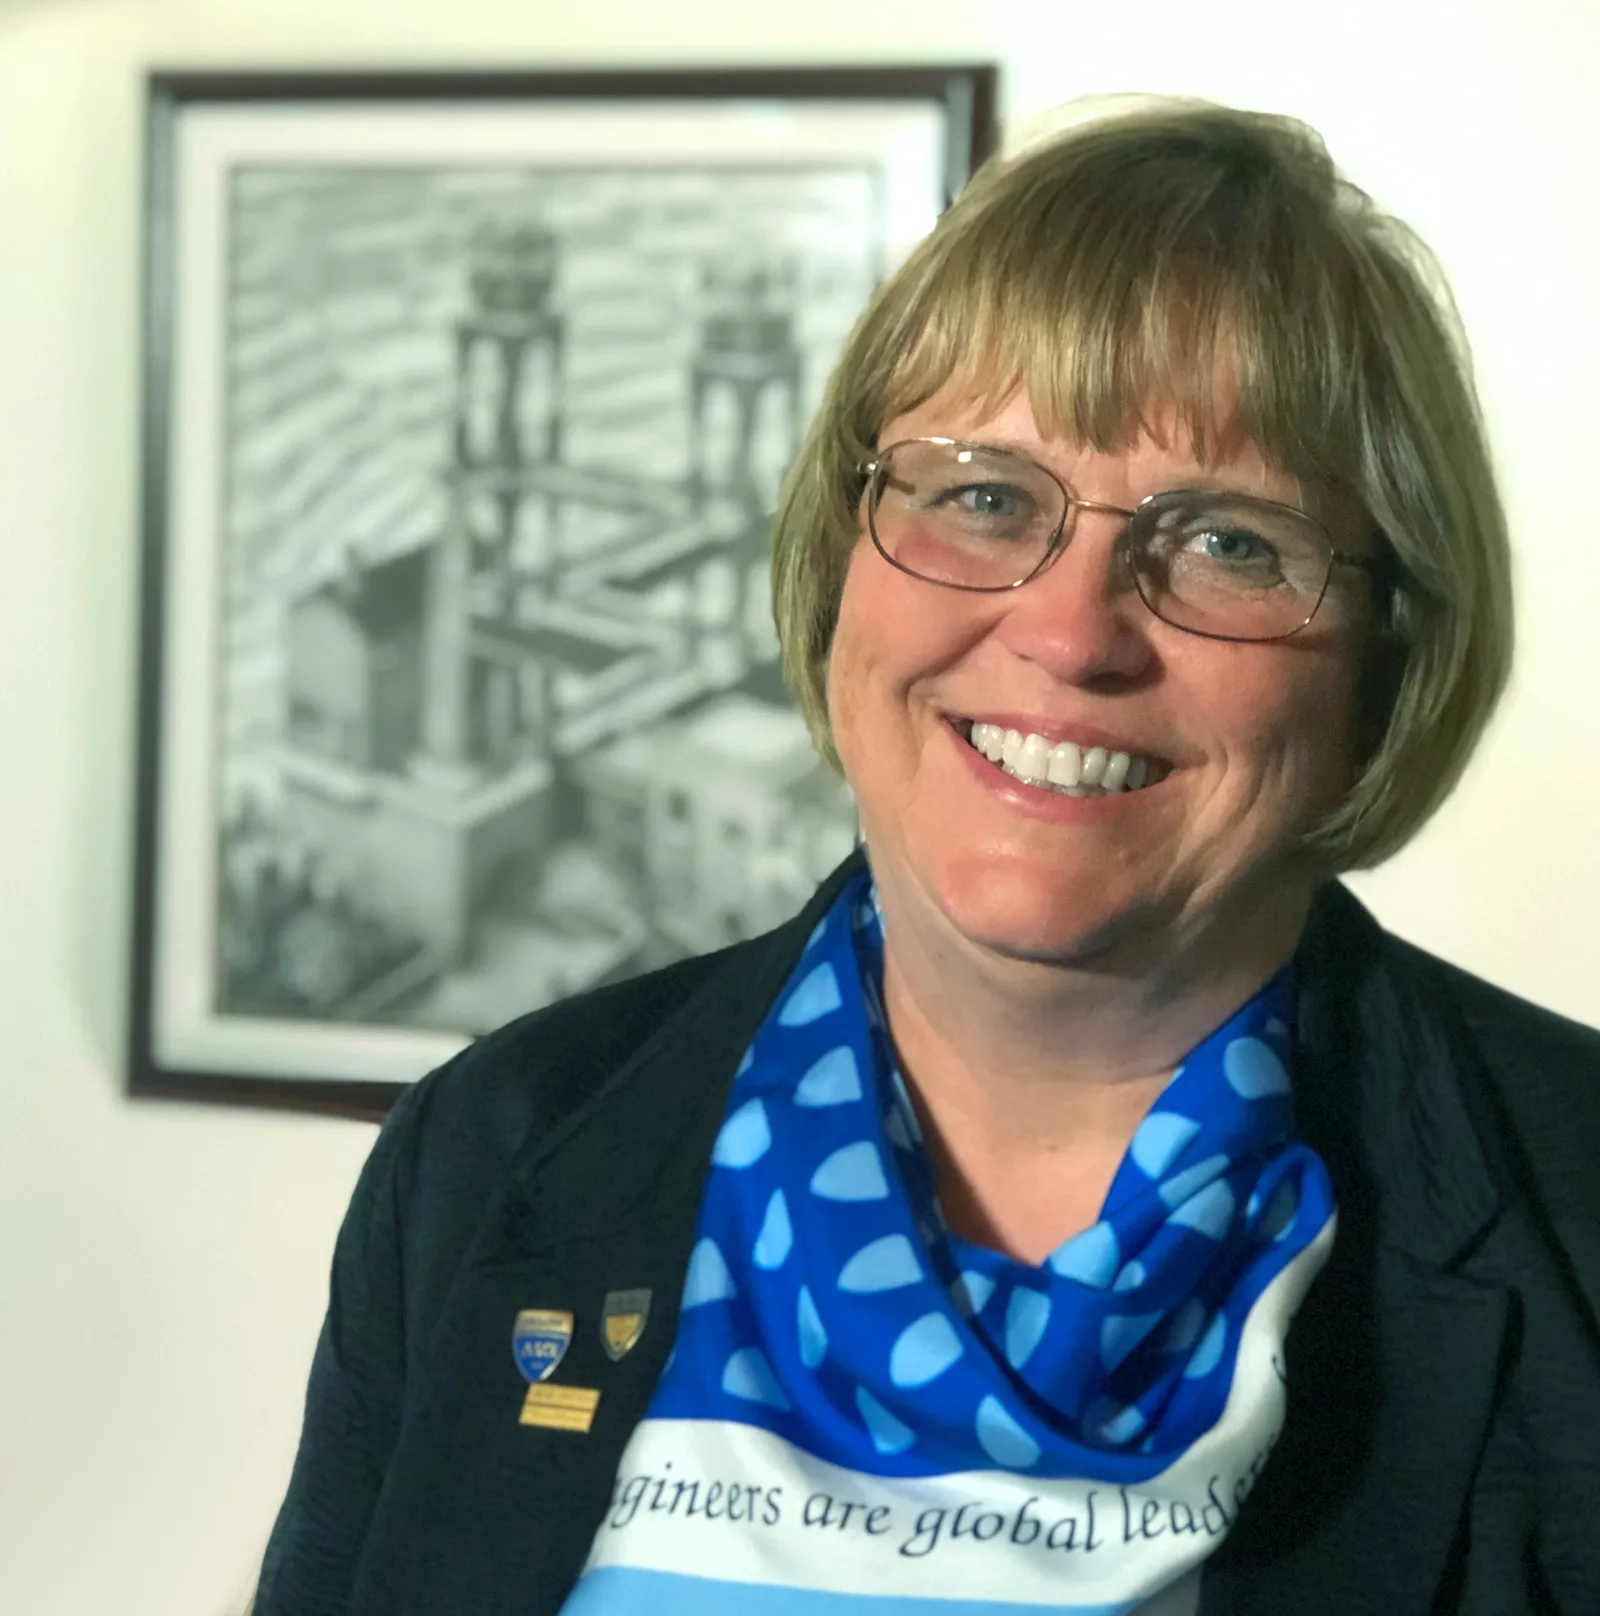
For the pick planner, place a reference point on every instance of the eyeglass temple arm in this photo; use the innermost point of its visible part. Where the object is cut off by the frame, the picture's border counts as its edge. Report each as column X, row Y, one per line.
column 870, row 469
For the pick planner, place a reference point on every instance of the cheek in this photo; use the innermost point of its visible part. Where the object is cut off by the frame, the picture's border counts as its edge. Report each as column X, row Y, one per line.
column 894, row 641
column 876, row 653
column 1281, row 722
column 1308, row 736
column 848, row 663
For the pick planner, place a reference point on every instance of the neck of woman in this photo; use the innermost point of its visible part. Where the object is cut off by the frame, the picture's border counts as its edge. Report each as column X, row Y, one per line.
column 1030, row 1078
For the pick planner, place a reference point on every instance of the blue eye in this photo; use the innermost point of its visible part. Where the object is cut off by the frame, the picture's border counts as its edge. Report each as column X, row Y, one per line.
column 1233, row 544
column 989, row 499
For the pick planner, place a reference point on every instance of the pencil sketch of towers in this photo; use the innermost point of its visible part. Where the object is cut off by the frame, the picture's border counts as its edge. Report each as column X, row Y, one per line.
column 509, row 725
column 747, row 351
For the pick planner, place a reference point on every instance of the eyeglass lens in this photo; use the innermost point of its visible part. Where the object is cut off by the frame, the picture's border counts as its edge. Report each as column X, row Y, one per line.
column 1214, row 562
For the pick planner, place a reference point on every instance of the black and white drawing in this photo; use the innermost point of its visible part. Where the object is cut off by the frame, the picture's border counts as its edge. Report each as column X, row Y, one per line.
column 491, row 447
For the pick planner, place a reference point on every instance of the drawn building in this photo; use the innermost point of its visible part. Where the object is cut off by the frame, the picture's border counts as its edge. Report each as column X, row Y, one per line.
column 452, row 710
column 742, row 819
column 424, row 836
column 355, row 665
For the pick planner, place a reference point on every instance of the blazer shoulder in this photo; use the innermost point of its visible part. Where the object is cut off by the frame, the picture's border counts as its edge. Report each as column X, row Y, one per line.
column 1516, row 1035
column 447, row 1149
column 1543, row 1074
column 530, row 1074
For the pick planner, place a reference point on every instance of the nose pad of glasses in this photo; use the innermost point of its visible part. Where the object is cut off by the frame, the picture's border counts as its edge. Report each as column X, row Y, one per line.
column 1144, row 570
column 1122, row 573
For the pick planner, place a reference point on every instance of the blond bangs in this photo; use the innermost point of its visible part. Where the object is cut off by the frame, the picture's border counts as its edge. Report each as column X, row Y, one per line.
column 1114, row 318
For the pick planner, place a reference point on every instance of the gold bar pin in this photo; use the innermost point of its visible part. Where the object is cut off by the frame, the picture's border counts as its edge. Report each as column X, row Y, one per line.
column 560, row 1408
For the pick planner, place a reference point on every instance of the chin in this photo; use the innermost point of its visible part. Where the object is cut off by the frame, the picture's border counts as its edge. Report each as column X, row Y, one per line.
column 1019, row 910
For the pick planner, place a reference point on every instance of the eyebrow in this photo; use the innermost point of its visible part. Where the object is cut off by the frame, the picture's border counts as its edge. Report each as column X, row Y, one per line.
column 1206, row 482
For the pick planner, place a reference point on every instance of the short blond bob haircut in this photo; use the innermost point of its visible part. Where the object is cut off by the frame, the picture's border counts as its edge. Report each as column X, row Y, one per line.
column 1132, row 261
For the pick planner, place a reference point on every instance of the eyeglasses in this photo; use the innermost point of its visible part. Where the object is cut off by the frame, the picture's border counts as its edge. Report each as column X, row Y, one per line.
column 1227, row 566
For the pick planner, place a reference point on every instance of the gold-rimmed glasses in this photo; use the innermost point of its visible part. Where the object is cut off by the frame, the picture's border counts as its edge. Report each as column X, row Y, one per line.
column 1229, row 566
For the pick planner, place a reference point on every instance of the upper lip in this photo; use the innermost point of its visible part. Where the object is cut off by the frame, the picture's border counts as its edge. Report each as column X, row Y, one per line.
column 1056, row 730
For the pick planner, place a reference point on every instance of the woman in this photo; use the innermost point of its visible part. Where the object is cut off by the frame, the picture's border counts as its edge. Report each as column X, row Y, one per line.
column 946, row 1249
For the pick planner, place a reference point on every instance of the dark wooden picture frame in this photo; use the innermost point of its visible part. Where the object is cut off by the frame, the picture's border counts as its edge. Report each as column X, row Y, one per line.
column 467, row 306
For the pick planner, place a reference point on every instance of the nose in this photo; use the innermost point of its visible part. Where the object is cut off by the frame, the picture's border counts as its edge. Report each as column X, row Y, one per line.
column 1081, row 620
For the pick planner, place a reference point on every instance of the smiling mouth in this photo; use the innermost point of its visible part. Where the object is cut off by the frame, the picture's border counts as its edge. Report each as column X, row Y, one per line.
column 1063, row 767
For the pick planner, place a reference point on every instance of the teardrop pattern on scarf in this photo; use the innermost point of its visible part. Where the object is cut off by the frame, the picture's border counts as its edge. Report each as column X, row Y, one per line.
column 708, row 1278
column 826, row 1299
column 834, row 1079
column 776, row 1239
column 816, row 996
column 745, row 1138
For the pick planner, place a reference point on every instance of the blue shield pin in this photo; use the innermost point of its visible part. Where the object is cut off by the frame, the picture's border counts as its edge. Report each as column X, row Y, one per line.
column 539, row 1341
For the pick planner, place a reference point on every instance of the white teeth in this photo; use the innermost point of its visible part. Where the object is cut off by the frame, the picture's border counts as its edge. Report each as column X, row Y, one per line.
column 1033, row 759
column 1070, row 769
column 1066, row 765
column 985, row 738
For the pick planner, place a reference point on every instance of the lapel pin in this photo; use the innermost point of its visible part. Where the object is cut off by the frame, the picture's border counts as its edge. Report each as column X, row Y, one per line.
column 622, row 1321
column 560, row 1408
column 539, row 1341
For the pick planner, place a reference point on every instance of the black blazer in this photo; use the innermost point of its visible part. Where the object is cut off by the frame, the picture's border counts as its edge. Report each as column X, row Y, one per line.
column 1442, row 1446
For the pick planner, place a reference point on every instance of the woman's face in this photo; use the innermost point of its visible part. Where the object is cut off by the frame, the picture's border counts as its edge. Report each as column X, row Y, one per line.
column 1248, row 744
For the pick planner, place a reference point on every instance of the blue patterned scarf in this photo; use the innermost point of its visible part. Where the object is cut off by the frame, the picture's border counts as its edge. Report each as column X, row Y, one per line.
column 827, row 1306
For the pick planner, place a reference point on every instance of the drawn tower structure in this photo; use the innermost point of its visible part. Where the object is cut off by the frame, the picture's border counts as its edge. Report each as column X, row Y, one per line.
column 500, row 530
column 423, row 829
column 746, row 353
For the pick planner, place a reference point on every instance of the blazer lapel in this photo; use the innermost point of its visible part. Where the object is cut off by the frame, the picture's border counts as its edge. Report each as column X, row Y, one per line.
column 1392, row 1381
column 606, row 1202
column 1393, row 1359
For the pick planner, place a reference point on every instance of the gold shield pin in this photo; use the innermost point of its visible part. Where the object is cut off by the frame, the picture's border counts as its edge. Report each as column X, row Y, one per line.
column 622, row 1321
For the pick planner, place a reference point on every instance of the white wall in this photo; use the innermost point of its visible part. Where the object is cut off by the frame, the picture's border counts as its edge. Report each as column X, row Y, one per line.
column 161, row 1266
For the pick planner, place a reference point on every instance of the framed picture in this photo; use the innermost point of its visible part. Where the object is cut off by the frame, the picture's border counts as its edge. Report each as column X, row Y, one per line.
column 467, row 399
